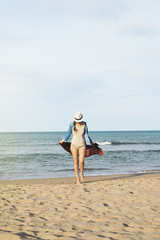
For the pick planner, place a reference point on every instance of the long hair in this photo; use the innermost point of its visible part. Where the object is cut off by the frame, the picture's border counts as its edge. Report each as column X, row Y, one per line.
column 75, row 129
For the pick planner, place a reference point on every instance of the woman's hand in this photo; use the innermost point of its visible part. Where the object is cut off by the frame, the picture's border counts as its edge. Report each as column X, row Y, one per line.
column 60, row 142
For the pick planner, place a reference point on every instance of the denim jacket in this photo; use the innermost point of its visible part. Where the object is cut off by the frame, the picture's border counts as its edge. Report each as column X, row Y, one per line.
column 69, row 132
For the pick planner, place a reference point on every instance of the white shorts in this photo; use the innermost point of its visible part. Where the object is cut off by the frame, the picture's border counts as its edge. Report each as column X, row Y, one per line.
column 74, row 147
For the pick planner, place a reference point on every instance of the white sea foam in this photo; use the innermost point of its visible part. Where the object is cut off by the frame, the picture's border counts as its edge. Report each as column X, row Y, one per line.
column 104, row 143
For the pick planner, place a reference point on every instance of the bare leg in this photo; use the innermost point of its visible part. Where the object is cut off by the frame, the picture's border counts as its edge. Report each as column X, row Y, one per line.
column 81, row 161
column 75, row 159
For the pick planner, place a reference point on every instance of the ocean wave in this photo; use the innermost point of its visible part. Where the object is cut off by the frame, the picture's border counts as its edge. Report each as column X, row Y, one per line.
column 146, row 171
column 135, row 143
column 20, row 145
column 72, row 169
column 66, row 155
column 133, row 151
column 126, row 143
column 32, row 155
column 103, row 143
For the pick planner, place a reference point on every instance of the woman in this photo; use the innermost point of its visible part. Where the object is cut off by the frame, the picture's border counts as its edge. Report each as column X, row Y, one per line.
column 78, row 128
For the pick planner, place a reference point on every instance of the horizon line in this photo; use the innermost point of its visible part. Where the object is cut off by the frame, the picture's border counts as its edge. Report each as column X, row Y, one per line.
column 50, row 131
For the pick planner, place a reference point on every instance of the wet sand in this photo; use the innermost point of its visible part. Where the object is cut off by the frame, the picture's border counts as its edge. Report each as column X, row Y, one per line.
column 104, row 207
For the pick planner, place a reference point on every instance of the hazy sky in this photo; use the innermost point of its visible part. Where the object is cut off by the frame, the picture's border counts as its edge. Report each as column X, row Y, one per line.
column 100, row 57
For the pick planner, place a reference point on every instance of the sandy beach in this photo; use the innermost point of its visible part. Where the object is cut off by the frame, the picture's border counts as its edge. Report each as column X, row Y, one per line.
column 104, row 207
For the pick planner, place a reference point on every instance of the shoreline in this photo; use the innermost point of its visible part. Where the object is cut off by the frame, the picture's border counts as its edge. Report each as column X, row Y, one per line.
column 72, row 180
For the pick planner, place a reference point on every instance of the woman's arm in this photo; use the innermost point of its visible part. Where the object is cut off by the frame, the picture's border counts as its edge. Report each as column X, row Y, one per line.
column 67, row 134
column 86, row 132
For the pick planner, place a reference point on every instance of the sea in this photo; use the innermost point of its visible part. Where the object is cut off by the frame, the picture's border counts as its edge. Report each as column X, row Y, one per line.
column 33, row 155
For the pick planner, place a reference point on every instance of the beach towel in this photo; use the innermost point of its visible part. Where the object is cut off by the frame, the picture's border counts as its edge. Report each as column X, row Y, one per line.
column 90, row 149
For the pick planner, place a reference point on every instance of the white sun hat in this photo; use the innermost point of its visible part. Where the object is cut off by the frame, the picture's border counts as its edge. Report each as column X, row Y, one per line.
column 78, row 117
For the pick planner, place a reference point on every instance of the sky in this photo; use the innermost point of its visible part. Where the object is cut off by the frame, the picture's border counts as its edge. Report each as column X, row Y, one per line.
column 99, row 57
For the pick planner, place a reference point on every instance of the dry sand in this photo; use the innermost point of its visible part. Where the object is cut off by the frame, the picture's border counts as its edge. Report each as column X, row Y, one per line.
column 105, row 207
